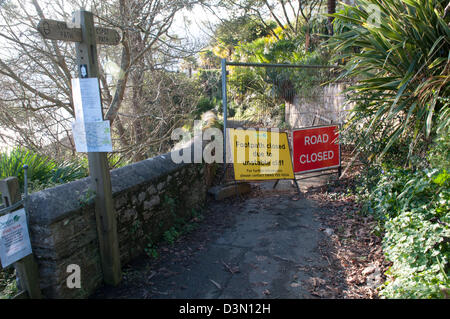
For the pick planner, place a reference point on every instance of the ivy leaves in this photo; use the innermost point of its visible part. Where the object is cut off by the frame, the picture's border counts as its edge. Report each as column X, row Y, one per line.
column 415, row 210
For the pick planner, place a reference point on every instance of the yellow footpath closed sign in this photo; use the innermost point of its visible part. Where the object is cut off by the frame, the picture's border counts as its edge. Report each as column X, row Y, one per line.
column 260, row 154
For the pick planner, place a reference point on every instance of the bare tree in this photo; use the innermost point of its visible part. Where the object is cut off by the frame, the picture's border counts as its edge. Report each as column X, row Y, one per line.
column 35, row 73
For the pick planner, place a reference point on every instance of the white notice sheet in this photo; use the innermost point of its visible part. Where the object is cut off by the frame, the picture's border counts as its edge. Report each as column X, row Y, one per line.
column 86, row 100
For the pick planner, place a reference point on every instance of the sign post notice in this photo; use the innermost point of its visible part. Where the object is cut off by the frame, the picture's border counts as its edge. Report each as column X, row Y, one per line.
column 14, row 238
column 15, row 246
column 316, row 148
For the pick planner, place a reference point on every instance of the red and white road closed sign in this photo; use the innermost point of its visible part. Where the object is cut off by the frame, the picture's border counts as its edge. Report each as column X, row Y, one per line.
column 316, row 148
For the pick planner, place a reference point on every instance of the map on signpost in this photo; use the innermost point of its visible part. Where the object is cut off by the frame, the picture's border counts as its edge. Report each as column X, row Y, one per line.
column 14, row 237
column 92, row 136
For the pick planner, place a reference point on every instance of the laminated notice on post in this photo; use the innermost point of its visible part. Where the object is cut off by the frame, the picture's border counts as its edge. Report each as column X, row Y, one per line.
column 86, row 100
column 14, row 237
column 92, row 136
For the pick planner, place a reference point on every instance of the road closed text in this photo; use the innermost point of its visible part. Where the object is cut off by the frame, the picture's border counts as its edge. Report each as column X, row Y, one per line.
column 316, row 157
column 315, row 148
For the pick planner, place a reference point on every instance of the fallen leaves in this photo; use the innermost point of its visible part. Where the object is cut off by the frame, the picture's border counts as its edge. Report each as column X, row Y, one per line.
column 316, row 281
column 351, row 246
column 231, row 269
column 216, row 284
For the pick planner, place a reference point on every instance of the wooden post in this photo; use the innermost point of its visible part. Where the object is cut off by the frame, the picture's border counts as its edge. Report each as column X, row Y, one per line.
column 98, row 162
column 26, row 269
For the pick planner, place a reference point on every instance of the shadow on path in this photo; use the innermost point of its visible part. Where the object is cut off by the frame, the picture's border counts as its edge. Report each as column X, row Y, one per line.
column 269, row 244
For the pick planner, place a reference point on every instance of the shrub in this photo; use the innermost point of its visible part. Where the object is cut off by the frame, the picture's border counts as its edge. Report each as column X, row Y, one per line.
column 42, row 171
column 413, row 209
column 401, row 64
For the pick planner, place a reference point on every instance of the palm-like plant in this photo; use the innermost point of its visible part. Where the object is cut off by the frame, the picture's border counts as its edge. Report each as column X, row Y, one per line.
column 398, row 52
column 41, row 169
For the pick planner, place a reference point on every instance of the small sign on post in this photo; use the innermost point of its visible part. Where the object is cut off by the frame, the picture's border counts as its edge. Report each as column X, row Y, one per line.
column 14, row 237
column 15, row 246
column 86, row 99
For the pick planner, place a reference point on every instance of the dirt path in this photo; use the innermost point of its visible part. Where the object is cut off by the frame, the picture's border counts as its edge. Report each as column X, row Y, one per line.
column 270, row 244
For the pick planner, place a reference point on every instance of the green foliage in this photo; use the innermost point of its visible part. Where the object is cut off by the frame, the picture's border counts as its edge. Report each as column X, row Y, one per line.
column 180, row 226
column 257, row 94
column 170, row 203
column 400, row 190
column 114, row 161
column 413, row 210
column 171, row 235
column 439, row 155
column 87, row 197
column 8, row 286
column 230, row 33
column 260, row 93
column 137, row 224
column 204, row 105
column 42, row 171
column 151, row 249
column 401, row 64
column 420, row 253
column 208, row 60
column 412, row 207
column 210, row 83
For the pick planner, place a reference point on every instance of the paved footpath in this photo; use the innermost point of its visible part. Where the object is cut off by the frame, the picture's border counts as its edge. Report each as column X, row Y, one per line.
column 266, row 246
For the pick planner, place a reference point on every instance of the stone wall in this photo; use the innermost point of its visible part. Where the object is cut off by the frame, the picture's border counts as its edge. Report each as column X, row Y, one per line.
column 148, row 197
column 317, row 106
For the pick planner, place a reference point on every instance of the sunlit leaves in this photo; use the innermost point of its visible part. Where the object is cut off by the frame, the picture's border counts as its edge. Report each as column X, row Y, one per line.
column 401, row 66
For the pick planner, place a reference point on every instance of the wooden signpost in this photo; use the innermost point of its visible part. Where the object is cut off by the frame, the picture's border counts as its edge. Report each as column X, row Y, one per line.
column 87, row 36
